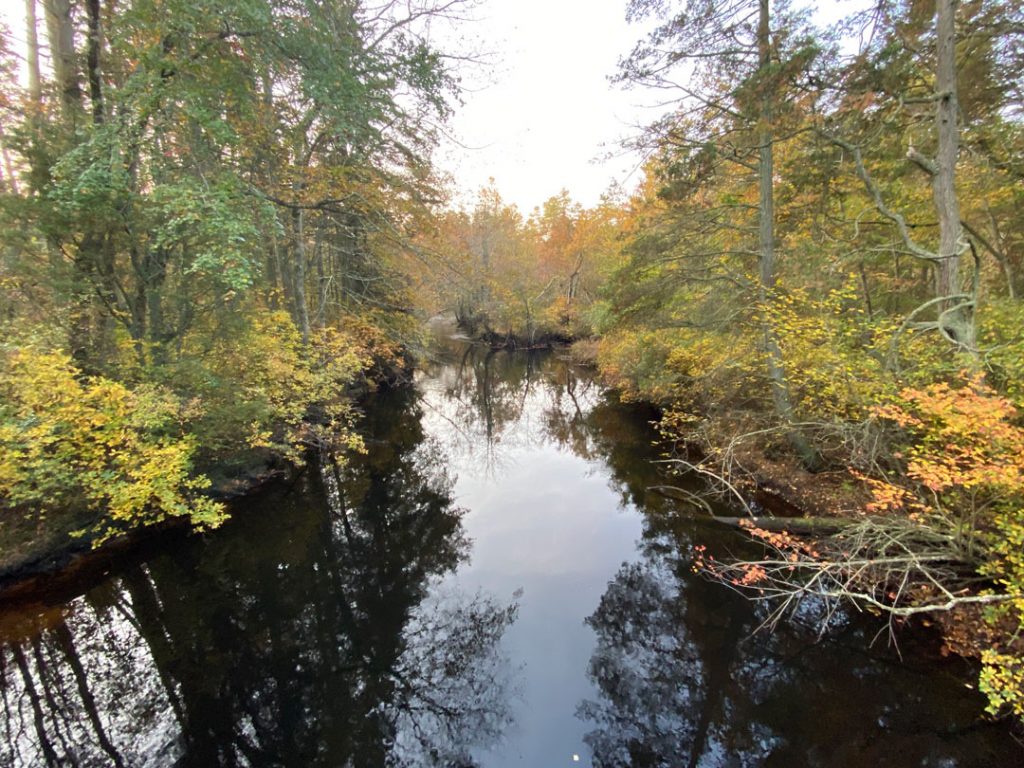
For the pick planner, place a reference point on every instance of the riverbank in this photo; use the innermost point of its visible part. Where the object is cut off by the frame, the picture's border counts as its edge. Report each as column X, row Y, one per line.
column 43, row 558
column 497, row 549
column 840, row 513
column 119, row 462
column 772, row 483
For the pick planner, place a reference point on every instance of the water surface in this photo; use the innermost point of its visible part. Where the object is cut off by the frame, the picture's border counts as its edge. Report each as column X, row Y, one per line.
column 491, row 584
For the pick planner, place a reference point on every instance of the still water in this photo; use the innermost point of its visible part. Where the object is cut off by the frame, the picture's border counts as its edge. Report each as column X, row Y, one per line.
column 491, row 584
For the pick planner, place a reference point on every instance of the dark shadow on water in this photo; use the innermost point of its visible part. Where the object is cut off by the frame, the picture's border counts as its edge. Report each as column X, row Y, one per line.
column 685, row 678
column 303, row 634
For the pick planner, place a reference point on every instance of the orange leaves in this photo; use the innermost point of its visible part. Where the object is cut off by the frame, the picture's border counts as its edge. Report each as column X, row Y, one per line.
column 752, row 574
column 896, row 414
column 783, row 541
column 886, row 496
column 966, row 437
column 966, row 463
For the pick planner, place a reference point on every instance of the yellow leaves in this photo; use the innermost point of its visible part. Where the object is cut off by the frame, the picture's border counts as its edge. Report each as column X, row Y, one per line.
column 1002, row 680
column 70, row 441
column 65, row 439
column 258, row 385
column 828, row 347
column 680, row 365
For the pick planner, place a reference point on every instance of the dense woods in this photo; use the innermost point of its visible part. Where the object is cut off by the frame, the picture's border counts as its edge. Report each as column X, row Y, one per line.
column 204, row 205
column 222, row 221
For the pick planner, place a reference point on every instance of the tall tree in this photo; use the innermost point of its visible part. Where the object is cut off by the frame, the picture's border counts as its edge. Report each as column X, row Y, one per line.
column 35, row 88
column 731, row 67
column 226, row 136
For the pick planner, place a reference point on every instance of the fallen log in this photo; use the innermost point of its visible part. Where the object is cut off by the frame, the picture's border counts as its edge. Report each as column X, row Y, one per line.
column 815, row 525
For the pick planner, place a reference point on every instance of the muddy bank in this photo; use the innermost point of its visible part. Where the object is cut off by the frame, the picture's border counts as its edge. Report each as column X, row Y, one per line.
column 58, row 559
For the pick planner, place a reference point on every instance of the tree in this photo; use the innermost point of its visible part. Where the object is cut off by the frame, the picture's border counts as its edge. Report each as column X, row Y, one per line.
column 729, row 110
column 227, row 147
column 955, row 305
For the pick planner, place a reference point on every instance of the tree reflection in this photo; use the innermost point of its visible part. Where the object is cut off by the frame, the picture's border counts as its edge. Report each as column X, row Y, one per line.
column 319, row 628
column 310, row 632
column 448, row 679
column 684, row 680
column 483, row 396
column 490, row 404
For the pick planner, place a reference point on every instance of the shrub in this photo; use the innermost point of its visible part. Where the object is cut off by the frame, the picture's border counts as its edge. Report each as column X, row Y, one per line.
column 68, row 440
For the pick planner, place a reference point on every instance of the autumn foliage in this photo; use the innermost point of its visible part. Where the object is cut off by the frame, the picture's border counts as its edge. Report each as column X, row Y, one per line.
column 68, row 440
column 962, row 471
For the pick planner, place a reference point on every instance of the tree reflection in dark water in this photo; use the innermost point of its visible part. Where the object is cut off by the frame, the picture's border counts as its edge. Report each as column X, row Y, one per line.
column 492, row 403
column 301, row 635
column 685, row 679
column 324, row 626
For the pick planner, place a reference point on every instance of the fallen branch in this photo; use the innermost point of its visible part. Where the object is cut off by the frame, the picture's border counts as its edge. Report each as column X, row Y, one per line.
column 888, row 564
column 816, row 525
column 681, row 494
column 719, row 478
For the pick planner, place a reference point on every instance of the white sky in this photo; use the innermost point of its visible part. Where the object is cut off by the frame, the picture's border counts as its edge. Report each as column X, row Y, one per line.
column 540, row 112
column 549, row 118
column 549, row 112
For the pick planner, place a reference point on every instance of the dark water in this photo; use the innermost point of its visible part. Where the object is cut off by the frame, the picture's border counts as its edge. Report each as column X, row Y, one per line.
column 492, row 585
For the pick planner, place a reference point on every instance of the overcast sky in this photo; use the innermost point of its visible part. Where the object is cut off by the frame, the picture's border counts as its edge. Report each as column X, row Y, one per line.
column 539, row 113
column 545, row 112
column 549, row 115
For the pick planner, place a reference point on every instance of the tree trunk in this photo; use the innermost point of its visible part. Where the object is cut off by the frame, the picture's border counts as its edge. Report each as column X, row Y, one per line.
column 155, row 262
column 959, row 322
column 8, row 179
column 323, row 280
column 93, row 60
column 35, row 95
column 301, row 305
column 766, row 243
column 1001, row 256
column 35, row 88
column 61, row 31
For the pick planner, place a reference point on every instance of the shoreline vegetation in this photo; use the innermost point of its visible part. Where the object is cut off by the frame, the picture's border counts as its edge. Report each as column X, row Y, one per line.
column 78, row 519
column 222, row 223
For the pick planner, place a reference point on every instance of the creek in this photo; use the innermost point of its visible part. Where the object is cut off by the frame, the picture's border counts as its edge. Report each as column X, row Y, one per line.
column 491, row 584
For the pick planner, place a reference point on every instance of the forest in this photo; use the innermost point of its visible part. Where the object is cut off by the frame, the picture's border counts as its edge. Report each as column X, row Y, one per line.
column 224, row 226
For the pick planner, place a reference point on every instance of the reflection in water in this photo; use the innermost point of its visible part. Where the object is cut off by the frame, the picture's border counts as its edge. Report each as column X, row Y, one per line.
column 302, row 635
column 495, row 403
column 685, row 679
column 340, row 622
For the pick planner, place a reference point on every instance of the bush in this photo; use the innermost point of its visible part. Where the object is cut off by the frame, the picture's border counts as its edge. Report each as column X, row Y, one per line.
column 963, row 475
column 254, row 387
column 68, row 440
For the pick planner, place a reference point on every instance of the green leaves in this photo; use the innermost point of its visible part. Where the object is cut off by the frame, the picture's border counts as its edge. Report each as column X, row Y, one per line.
column 214, row 225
